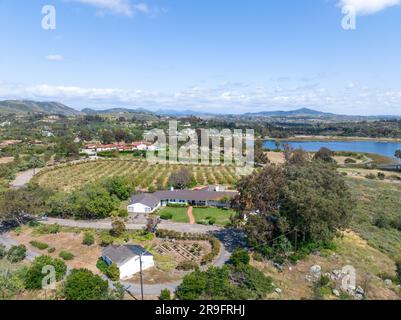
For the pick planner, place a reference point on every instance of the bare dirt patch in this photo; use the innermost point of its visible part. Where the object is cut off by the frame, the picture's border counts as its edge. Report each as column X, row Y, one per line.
column 275, row 157
column 84, row 256
column 6, row 160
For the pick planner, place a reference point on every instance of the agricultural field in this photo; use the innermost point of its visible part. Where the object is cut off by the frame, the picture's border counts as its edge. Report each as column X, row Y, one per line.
column 142, row 174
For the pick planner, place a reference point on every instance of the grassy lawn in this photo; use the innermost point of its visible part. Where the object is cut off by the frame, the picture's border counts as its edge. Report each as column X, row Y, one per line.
column 222, row 216
column 377, row 199
column 179, row 214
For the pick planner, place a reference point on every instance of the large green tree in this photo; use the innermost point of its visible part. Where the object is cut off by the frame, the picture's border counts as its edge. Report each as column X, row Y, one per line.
column 82, row 284
column 309, row 199
column 15, row 205
column 34, row 275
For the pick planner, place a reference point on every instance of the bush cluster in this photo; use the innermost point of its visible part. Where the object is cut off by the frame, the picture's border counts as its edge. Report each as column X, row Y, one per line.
column 39, row 245
column 16, row 253
column 89, row 239
column 65, row 255
column 166, row 215
column 187, row 265
column 208, row 258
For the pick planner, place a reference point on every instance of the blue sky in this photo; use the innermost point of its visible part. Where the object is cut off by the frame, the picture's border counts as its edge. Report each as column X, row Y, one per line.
column 217, row 56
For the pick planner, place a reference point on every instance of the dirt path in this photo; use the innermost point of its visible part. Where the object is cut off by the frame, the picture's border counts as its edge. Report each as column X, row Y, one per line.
column 23, row 178
column 191, row 216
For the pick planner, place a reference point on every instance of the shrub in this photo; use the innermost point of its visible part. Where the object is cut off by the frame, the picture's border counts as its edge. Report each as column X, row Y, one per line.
column 3, row 251
column 51, row 250
column 324, row 281
column 382, row 222
column 398, row 270
column 39, row 245
column 211, row 220
column 187, row 265
column 381, row 175
column 118, row 228
column 349, row 161
column 122, row 213
column 106, row 239
column 239, row 257
column 102, row 265
column 16, row 253
column 165, row 294
column 177, row 205
column 166, row 215
column 208, row 258
column 65, row 255
column 48, row 229
column 257, row 256
column 33, row 224
column 35, row 275
column 82, row 284
column 89, row 239
column 370, row 176
column 113, row 272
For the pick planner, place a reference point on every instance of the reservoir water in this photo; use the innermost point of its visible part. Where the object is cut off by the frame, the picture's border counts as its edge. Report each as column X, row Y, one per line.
column 379, row 147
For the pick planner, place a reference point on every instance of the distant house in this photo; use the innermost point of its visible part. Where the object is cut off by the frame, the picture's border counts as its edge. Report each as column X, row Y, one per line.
column 149, row 202
column 140, row 145
column 128, row 259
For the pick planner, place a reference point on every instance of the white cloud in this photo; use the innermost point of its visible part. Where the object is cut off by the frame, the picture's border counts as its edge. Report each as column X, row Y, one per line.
column 356, row 99
column 121, row 7
column 365, row 7
column 54, row 57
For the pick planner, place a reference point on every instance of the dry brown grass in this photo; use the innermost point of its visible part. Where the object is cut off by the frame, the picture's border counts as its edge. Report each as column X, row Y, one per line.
column 84, row 256
column 351, row 250
column 275, row 157
column 5, row 160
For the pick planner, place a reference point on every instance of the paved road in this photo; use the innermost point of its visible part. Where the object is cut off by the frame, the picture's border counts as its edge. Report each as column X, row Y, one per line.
column 106, row 224
column 23, row 178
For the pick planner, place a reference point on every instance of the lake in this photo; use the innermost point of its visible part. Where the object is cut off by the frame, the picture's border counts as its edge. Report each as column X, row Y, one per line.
column 383, row 148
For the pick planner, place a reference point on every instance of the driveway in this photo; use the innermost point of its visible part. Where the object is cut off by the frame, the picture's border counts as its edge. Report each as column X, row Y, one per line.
column 8, row 242
column 23, row 178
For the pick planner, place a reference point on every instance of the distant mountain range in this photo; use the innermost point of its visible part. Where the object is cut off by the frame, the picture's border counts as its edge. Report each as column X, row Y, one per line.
column 26, row 106
column 297, row 112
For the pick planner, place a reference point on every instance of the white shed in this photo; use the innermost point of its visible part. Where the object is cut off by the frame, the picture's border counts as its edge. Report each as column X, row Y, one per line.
column 128, row 259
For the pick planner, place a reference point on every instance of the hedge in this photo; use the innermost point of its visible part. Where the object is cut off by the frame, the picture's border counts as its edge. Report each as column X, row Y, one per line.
column 39, row 245
column 65, row 255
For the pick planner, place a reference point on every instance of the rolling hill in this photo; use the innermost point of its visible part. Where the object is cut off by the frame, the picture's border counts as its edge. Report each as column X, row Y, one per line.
column 27, row 106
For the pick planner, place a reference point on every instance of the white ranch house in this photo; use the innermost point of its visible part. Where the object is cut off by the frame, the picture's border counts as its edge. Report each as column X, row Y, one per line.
column 149, row 202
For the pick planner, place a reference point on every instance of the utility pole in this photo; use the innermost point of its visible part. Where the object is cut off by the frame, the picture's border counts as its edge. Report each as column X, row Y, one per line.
column 140, row 265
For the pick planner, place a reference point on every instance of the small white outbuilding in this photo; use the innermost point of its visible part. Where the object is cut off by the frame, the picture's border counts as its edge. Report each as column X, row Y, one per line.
column 128, row 259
